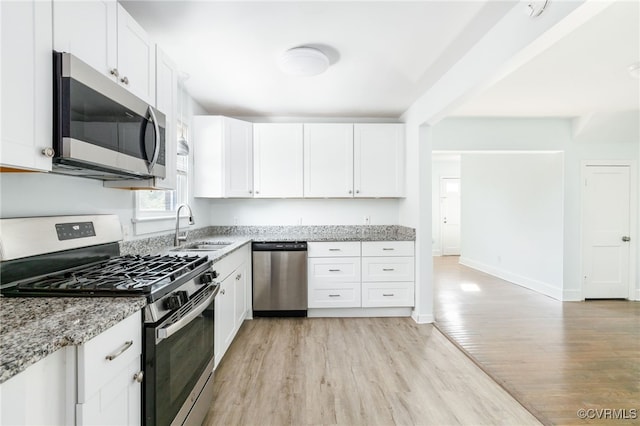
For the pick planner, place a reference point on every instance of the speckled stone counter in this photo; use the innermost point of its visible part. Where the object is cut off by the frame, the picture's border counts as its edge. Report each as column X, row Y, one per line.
column 32, row 328
column 243, row 234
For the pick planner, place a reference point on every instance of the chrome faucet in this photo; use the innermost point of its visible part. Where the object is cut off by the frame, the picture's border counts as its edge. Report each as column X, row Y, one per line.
column 179, row 238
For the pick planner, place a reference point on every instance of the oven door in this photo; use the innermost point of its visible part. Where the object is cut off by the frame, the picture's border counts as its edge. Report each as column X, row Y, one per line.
column 179, row 362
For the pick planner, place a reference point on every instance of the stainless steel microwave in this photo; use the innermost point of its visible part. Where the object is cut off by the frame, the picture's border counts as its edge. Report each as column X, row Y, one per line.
column 100, row 129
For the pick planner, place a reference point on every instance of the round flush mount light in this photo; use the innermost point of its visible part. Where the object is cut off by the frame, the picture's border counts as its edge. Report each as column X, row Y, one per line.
column 634, row 70
column 303, row 61
column 535, row 8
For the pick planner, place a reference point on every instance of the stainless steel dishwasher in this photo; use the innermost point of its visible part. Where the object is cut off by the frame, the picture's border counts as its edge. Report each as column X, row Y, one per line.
column 280, row 279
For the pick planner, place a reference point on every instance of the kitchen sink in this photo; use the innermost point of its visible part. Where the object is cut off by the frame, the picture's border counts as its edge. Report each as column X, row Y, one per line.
column 203, row 246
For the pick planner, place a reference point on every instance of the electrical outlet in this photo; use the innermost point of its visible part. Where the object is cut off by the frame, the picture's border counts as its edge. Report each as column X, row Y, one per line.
column 367, row 220
column 235, row 221
column 125, row 232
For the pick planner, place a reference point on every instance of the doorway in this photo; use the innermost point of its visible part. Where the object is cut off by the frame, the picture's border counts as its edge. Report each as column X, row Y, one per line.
column 450, row 215
column 606, row 231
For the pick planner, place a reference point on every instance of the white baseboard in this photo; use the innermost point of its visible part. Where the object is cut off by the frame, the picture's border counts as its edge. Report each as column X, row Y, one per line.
column 572, row 296
column 358, row 312
column 422, row 318
column 637, row 295
column 436, row 252
column 531, row 284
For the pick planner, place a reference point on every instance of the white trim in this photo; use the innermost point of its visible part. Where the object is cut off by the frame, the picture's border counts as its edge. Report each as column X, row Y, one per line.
column 572, row 296
column 535, row 285
column 358, row 312
column 422, row 319
column 634, row 288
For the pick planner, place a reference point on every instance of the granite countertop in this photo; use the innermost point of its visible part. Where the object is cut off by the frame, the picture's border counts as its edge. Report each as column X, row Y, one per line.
column 33, row 327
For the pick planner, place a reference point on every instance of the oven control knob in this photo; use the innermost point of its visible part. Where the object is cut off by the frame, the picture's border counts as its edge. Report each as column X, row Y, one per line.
column 176, row 300
column 208, row 277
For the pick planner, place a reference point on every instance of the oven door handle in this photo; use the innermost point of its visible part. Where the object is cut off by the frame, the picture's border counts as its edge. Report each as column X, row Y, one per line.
column 169, row 330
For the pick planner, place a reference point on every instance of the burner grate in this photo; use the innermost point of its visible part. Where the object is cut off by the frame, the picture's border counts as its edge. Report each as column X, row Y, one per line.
column 124, row 274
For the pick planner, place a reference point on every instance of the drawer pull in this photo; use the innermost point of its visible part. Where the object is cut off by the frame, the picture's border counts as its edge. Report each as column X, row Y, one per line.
column 388, row 269
column 334, row 295
column 334, row 270
column 126, row 346
column 387, row 248
column 334, row 249
column 388, row 294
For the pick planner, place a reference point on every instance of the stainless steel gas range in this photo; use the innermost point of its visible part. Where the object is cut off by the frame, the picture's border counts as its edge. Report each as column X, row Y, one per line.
column 79, row 256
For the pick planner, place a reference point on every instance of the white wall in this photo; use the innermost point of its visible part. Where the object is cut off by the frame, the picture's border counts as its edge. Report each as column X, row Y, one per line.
column 512, row 218
column 303, row 212
column 447, row 165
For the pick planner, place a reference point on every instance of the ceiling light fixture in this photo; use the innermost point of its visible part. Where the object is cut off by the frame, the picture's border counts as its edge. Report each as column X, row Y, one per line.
column 303, row 61
column 536, row 7
column 634, row 70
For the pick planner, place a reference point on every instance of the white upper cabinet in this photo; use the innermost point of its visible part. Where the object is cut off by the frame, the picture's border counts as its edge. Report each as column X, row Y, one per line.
column 277, row 164
column 328, row 160
column 378, row 160
column 26, row 91
column 102, row 34
column 223, row 157
column 136, row 57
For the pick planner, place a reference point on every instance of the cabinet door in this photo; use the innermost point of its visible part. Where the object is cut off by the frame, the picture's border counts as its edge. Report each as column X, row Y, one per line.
column 207, row 156
column 378, row 160
column 136, row 57
column 167, row 102
column 118, row 402
column 238, row 158
column 224, row 317
column 88, row 30
column 26, row 85
column 277, row 167
column 240, row 277
column 328, row 160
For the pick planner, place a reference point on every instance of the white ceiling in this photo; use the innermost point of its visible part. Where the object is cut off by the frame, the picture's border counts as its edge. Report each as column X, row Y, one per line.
column 384, row 54
column 584, row 73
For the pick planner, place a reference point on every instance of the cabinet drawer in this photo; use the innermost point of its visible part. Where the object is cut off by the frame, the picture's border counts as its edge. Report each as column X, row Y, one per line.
column 387, row 294
column 341, row 295
column 122, row 342
column 387, row 248
column 334, row 249
column 328, row 269
column 387, row 269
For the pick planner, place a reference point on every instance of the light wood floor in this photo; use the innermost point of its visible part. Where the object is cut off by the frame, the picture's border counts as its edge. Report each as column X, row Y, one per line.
column 553, row 357
column 354, row 371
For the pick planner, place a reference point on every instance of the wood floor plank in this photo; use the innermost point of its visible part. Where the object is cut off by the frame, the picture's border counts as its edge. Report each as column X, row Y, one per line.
column 553, row 357
column 354, row 371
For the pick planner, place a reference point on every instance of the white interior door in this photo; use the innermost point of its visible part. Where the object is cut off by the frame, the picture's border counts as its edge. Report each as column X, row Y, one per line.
column 605, row 228
column 450, row 215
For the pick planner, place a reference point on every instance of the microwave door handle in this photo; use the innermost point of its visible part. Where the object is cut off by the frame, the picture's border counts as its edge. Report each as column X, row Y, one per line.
column 156, row 147
column 168, row 331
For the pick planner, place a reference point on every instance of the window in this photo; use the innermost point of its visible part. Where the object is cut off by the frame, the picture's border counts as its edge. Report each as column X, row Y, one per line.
column 161, row 204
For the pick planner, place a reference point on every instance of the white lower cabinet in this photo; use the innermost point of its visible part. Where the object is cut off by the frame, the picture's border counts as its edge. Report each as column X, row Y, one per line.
column 110, row 376
column 96, row 383
column 371, row 274
column 231, row 306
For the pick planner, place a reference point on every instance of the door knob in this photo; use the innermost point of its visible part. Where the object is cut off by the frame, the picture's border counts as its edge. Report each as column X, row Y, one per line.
column 626, row 239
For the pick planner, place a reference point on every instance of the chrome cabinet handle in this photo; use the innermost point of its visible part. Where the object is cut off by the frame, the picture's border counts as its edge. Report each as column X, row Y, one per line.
column 125, row 80
column 388, row 269
column 257, row 192
column 357, row 191
column 48, row 152
column 350, row 192
column 238, row 276
column 138, row 377
column 114, row 72
column 387, row 294
column 334, row 270
column 387, row 249
column 250, row 192
column 626, row 238
column 124, row 347
column 334, row 249
column 334, row 295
